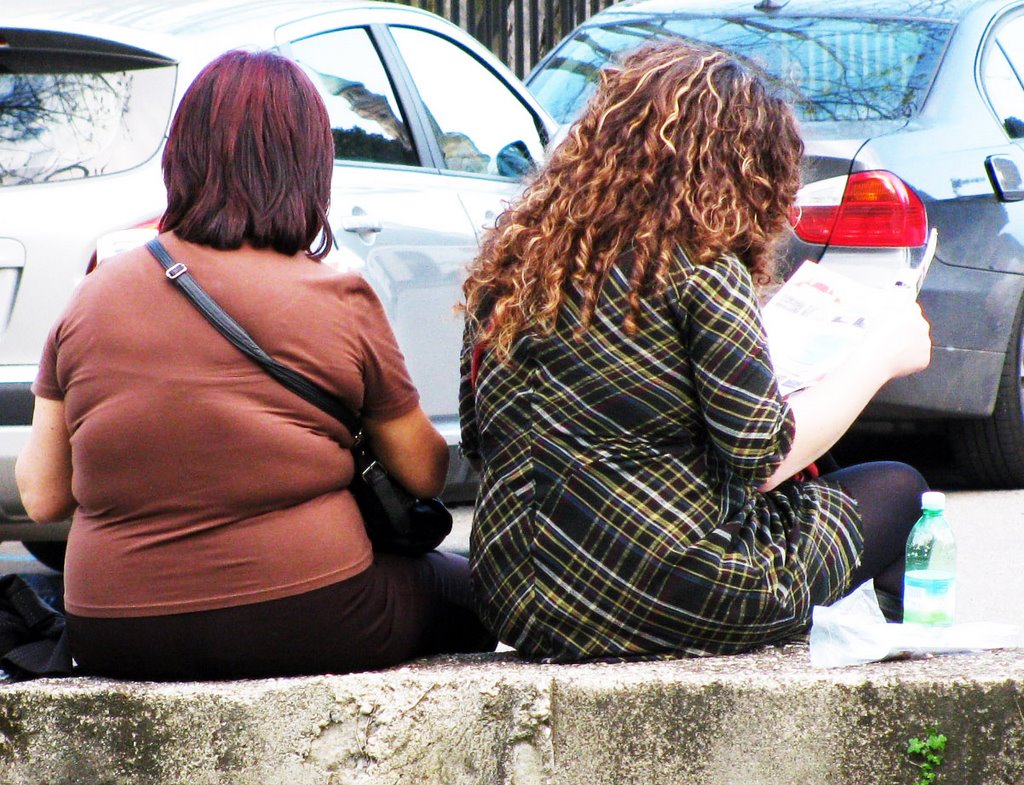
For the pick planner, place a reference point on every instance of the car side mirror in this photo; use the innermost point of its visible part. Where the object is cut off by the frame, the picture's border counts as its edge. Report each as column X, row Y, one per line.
column 513, row 160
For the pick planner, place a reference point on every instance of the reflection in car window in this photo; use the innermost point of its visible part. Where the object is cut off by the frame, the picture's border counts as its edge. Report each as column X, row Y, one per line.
column 365, row 119
column 61, row 122
column 480, row 124
column 1001, row 76
column 1011, row 40
column 833, row 69
column 1005, row 92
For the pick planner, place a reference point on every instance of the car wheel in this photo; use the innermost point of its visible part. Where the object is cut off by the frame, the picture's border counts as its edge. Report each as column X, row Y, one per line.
column 991, row 451
column 48, row 552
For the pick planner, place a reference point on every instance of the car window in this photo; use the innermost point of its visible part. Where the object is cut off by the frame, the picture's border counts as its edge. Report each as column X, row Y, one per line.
column 831, row 68
column 480, row 124
column 69, row 115
column 366, row 121
column 1001, row 76
column 1010, row 38
column 1004, row 91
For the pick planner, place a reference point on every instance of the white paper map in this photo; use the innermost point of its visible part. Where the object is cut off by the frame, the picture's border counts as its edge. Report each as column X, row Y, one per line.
column 815, row 321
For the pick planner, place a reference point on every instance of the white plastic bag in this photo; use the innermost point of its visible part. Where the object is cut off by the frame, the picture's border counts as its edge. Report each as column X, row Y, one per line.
column 853, row 631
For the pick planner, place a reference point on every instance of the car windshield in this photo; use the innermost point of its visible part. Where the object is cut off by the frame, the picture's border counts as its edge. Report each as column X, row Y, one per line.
column 832, row 69
column 64, row 120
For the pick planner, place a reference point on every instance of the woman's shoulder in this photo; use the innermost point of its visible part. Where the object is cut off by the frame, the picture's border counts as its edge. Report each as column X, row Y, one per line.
column 345, row 283
column 348, row 295
column 128, row 267
column 724, row 274
column 228, row 273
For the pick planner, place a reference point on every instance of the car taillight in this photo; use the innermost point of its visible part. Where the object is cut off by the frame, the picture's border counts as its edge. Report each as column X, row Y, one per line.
column 115, row 242
column 863, row 210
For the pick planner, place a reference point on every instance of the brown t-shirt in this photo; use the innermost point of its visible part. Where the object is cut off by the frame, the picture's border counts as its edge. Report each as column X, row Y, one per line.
column 201, row 482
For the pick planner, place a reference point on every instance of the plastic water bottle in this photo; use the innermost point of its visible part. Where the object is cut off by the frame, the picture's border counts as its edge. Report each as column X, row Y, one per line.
column 929, row 584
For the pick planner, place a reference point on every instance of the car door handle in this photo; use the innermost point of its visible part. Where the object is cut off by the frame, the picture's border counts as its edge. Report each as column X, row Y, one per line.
column 361, row 224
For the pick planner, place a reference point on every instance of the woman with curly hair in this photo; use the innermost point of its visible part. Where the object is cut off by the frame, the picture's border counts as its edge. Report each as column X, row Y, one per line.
column 638, row 493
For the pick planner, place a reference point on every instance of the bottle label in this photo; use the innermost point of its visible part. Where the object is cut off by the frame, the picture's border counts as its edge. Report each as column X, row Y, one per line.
column 929, row 597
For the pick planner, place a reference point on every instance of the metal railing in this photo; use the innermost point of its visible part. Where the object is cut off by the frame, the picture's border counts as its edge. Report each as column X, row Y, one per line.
column 520, row 32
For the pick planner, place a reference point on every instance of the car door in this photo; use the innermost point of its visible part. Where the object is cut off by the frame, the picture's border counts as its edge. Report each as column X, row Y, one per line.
column 1001, row 77
column 485, row 138
column 392, row 218
column 413, row 184
column 488, row 136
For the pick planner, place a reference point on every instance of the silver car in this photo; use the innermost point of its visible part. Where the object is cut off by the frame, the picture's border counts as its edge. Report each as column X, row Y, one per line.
column 432, row 136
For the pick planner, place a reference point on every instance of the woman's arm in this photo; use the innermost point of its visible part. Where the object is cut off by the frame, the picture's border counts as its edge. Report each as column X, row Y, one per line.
column 412, row 450
column 43, row 468
column 748, row 424
column 897, row 344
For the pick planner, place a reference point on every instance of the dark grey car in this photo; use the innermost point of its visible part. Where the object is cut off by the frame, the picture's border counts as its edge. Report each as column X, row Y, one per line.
column 913, row 118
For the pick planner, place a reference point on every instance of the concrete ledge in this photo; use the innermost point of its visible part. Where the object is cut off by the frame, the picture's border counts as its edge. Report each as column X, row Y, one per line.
column 757, row 719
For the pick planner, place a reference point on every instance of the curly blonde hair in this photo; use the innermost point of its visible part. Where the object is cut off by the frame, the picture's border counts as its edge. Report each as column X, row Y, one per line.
column 683, row 146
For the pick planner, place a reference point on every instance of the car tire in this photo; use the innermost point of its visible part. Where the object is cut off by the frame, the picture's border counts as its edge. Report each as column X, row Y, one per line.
column 990, row 451
column 48, row 552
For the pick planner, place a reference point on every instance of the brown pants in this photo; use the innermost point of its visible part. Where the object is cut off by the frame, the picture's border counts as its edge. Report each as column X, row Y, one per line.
column 398, row 609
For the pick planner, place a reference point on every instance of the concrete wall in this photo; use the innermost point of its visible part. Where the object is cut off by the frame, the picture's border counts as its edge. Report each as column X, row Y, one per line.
column 757, row 719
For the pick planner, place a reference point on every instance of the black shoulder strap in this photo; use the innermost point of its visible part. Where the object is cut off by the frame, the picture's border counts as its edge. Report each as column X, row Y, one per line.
column 178, row 274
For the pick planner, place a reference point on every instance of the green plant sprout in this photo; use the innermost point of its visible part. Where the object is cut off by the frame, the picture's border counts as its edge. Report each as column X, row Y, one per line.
column 929, row 750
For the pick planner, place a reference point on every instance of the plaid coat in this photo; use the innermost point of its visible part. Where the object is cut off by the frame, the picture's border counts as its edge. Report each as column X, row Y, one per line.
column 618, row 513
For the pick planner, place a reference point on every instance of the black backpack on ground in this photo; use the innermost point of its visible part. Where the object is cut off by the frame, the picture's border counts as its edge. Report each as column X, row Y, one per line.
column 33, row 642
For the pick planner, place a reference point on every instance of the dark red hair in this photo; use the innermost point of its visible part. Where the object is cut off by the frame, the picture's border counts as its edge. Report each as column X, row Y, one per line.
column 249, row 158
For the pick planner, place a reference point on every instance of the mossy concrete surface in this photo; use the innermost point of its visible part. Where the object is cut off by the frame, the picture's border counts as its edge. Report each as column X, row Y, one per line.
column 757, row 719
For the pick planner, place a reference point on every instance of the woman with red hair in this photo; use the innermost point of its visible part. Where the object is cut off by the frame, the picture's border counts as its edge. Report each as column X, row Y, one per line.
column 638, row 494
column 213, row 533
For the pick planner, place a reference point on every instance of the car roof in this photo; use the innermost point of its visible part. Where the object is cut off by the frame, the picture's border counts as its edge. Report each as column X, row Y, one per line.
column 182, row 17
column 192, row 32
column 948, row 10
column 219, row 24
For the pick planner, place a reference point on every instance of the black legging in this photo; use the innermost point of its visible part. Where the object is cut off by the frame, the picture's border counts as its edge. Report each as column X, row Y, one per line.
column 398, row 609
column 888, row 496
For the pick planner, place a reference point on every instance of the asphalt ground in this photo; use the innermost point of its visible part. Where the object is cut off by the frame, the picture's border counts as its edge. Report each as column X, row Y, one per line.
column 14, row 558
column 989, row 529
